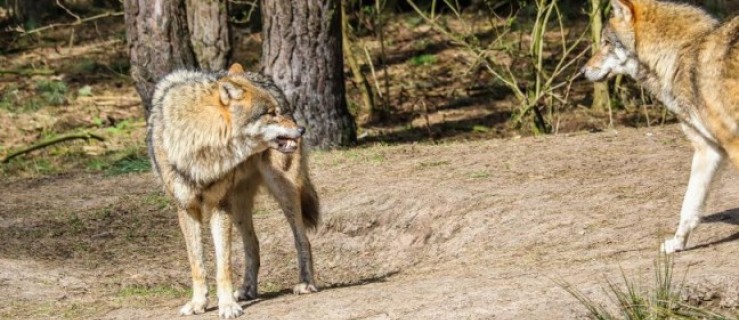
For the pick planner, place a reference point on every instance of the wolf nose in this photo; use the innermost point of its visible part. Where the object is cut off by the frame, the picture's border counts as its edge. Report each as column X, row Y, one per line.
column 301, row 130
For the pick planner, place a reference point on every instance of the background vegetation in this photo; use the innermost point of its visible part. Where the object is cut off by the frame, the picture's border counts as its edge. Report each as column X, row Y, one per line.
column 415, row 70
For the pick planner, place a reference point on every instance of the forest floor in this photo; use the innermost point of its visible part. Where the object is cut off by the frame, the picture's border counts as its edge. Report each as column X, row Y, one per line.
column 473, row 230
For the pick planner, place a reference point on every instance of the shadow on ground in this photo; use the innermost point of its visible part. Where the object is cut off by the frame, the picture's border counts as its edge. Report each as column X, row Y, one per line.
column 730, row 216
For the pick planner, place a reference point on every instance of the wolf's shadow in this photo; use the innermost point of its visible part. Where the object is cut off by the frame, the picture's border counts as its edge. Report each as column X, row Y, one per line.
column 327, row 287
column 730, row 216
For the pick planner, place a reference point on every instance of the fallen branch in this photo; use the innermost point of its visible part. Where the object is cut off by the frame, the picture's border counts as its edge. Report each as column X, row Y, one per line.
column 83, row 136
column 38, row 72
column 76, row 23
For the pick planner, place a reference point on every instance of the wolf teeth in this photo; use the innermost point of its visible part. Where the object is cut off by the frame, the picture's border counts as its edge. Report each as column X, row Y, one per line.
column 291, row 144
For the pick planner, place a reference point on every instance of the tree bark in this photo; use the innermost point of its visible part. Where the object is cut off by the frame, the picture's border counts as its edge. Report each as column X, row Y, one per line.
column 158, row 42
column 302, row 52
column 209, row 33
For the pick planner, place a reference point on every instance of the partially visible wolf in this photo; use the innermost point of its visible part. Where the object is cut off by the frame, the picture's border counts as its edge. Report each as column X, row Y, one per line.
column 213, row 140
column 689, row 61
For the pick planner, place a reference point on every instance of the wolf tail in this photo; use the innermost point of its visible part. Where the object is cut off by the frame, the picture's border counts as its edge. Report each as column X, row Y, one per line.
column 309, row 205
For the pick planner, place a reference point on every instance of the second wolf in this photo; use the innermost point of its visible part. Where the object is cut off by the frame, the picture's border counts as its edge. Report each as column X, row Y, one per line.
column 689, row 61
column 214, row 139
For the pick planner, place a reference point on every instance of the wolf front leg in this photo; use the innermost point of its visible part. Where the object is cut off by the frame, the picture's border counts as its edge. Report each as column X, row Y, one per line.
column 242, row 201
column 220, row 228
column 287, row 194
column 707, row 159
column 190, row 224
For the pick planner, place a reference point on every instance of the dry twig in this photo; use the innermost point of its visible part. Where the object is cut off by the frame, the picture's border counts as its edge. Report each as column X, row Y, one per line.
column 79, row 21
column 44, row 144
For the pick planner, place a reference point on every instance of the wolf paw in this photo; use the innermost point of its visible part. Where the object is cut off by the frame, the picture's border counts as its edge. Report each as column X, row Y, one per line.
column 304, row 288
column 672, row 246
column 245, row 294
column 194, row 307
column 229, row 310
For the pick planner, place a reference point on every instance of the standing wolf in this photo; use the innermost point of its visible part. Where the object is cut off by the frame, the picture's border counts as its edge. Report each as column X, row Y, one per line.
column 213, row 140
column 690, row 62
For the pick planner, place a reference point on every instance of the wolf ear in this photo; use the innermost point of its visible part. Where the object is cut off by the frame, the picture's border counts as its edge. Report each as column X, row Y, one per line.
column 235, row 69
column 228, row 91
column 623, row 9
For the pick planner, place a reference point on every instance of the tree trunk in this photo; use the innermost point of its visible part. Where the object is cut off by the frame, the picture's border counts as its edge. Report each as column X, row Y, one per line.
column 209, row 33
column 601, row 98
column 158, row 42
column 301, row 51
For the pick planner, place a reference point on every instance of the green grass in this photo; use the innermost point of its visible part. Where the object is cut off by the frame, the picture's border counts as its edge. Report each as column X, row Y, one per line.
column 68, row 156
column 423, row 60
column 635, row 301
column 479, row 175
column 158, row 291
column 480, row 129
column 131, row 163
column 53, row 92
column 13, row 100
column 50, row 309
column 47, row 92
column 43, row 166
column 157, row 199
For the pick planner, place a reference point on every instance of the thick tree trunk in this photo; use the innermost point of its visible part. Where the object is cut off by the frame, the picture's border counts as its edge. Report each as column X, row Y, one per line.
column 209, row 33
column 301, row 51
column 158, row 42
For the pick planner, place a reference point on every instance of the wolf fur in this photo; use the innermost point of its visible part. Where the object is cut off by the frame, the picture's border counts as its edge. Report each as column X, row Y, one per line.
column 689, row 61
column 213, row 140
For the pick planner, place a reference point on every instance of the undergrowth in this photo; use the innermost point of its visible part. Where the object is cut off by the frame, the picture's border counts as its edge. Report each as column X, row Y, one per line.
column 636, row 301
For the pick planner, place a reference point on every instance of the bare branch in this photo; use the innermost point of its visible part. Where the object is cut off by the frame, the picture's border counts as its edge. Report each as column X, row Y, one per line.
column 60, row 5
column 27, row 72
column 76, row 23
column 83, row 136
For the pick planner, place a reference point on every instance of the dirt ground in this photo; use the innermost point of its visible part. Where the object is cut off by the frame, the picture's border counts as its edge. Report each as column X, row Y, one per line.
column 461, row 230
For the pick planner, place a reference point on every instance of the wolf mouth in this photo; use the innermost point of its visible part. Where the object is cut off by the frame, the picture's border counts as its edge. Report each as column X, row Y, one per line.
column 287, row 143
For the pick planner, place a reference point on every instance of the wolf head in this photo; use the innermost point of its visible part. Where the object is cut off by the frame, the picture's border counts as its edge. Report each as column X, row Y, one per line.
column 617, row 54
column 258, row 111
column 613, row 58
column 644, row 38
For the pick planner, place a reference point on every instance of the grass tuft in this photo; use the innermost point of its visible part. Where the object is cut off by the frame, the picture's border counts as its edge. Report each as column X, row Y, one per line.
column 131, row 163
column 635, row 302
column 423, row 60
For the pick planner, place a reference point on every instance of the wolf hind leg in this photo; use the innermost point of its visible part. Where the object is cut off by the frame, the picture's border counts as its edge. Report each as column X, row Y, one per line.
column 190, row 224
column 288, row 195
column 242, row 203
column 707, row 160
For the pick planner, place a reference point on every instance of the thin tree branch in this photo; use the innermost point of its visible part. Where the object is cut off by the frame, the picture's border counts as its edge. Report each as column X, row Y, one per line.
column 76, row 17
column 37, row 72
column 44, row 144
column 76, row 23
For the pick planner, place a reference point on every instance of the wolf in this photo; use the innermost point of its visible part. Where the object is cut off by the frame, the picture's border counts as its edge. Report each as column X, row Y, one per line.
column 213, row 140
column 690, row 62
